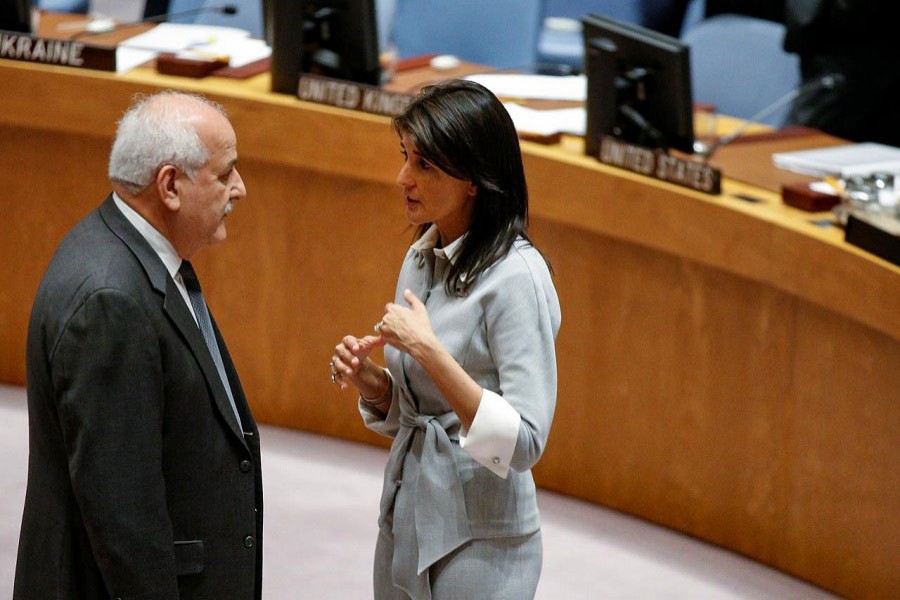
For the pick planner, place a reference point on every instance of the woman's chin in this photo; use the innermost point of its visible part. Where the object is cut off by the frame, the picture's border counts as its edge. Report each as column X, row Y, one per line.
column 414, row 214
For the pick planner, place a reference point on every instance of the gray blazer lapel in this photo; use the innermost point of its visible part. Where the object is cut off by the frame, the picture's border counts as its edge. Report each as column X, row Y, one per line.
column 174, row 306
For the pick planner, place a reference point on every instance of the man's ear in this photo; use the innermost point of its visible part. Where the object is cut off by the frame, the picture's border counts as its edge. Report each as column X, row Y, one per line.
column 472, row 191
column 166, row 187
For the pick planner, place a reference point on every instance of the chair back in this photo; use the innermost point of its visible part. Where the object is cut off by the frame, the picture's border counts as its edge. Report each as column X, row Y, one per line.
column 621, row 10
column 248, row 17
column 738, row 64
column 66, row 6
column 693, row 14
column 562, row 43
column 498, row 33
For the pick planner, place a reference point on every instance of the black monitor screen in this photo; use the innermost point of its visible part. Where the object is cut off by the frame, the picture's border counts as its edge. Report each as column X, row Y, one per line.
column 639, row 86
column 15, row 15
column 334, row 38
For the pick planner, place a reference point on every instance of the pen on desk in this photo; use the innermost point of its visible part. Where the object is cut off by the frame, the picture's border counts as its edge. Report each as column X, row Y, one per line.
column 746, row 198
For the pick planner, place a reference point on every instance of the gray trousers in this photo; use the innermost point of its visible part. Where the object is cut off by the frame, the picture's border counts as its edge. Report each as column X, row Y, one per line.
column 485, row 569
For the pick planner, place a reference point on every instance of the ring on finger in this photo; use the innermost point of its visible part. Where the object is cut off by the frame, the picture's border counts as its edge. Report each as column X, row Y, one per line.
column 378, row 327
column 331, row 366
column 334, row 378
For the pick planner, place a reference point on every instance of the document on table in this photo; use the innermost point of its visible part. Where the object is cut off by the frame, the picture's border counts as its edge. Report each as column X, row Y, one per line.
column 841, row 161
column 178, row 38
column 548, row 122
column 534, row 87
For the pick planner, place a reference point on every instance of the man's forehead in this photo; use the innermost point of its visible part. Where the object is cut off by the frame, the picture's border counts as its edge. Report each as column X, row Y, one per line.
column 217, row 134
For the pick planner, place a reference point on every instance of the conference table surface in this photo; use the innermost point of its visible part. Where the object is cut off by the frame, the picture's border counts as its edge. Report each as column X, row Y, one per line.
column 729, row 369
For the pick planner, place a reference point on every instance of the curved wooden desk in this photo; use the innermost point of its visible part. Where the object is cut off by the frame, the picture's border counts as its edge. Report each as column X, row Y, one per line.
column 726, row 369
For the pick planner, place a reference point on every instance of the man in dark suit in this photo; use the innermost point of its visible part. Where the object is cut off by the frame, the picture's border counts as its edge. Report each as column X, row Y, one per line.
column 856, row 39
column 144, row 471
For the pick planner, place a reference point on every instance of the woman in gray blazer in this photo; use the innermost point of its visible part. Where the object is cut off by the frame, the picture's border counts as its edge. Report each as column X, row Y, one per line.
column 470, row 386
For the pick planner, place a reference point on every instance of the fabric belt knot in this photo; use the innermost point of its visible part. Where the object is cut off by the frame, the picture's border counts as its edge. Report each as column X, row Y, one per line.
column 441, row 521
column 204, row 322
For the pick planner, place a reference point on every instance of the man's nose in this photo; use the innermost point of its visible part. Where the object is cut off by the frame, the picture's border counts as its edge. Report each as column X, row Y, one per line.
column 242, row 190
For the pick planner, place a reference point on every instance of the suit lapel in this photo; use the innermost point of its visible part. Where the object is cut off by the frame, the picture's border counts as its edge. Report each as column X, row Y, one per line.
column 240, row 399
column 178, row 312
column 422, row 280
column 132, row 238
column 174, row 306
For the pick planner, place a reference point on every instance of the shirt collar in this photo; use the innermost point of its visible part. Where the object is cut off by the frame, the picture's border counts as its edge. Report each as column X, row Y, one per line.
column 430, row 239
column 162, row 246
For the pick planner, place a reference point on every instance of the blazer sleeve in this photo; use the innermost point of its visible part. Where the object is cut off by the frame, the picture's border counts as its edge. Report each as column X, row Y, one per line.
column 522, row 318
column 110, row 394
column 384, row 424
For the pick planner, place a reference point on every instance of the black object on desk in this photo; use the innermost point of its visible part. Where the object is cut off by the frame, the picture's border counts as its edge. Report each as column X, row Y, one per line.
column 868, row 236
column 638, row 86
column 321, row 37
column 15, row 15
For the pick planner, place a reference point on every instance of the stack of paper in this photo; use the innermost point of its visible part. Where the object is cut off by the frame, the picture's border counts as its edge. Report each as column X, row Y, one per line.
column 534, row 87
column 841, row 161
column 547, row 122
column 179, row 38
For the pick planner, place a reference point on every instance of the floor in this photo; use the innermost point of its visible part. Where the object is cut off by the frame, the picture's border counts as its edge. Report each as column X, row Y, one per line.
column 321, row 499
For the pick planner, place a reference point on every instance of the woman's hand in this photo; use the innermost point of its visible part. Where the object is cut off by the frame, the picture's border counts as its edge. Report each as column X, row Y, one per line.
column 408, row 329
column 350, row 364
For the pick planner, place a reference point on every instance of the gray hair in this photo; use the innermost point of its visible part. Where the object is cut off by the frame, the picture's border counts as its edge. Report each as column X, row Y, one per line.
column 154, row 133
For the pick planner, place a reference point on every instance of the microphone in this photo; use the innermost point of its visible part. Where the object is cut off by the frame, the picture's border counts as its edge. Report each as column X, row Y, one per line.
column 96, row 27
column 825, row 82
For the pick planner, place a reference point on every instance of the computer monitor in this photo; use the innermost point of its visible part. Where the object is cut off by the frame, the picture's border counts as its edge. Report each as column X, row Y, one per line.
column 15, row 15
column 639, row 86
column 334, row 38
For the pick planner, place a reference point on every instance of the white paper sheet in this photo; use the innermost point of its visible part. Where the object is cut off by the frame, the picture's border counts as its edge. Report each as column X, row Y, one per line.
column 129, row 58
column 173, row 37
column 183, row 40
column 240, row 51
column 851, row 159
column 534, row 87
column 548, row 122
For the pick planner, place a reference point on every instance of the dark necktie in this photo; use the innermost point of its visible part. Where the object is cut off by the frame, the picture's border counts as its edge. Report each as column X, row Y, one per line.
column 192, row 284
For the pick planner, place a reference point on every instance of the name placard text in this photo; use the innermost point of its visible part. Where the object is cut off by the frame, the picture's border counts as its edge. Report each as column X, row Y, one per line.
column 659, row 165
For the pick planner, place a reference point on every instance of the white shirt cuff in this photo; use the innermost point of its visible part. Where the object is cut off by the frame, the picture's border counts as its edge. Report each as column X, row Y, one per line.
column 492, row 438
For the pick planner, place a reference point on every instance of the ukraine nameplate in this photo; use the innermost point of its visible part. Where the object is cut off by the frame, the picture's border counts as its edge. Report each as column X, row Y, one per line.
column 48, row 51
column 659, row 165
column 351, row 95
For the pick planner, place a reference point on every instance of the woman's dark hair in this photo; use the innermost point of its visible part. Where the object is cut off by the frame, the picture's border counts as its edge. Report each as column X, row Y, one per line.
column 463, row 129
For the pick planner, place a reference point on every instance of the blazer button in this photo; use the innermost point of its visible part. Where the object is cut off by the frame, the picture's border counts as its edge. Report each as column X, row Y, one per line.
column 245, row 466
column 496, row 460
column 249, row 541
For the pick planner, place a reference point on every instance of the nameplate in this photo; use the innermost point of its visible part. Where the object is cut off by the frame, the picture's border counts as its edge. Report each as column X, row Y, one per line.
column 659, row 165
column 47, row 51
column 351, row 95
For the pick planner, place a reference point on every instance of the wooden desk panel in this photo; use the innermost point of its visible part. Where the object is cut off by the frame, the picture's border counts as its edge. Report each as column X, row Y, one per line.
column 726, row 369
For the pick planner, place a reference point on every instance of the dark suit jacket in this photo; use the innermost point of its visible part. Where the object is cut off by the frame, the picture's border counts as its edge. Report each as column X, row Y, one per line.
column 857, row 39
column 140, row 484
